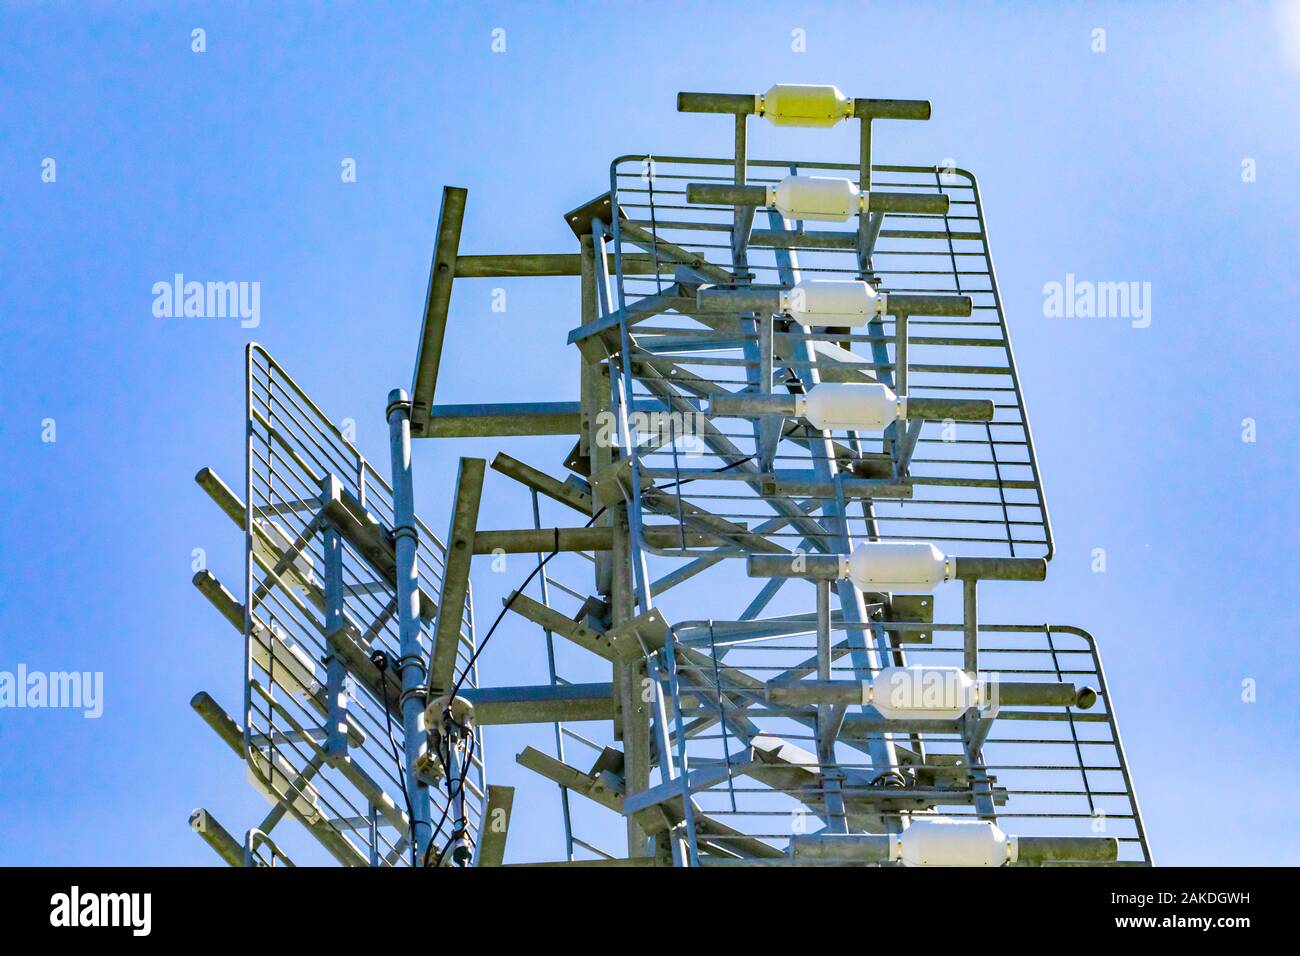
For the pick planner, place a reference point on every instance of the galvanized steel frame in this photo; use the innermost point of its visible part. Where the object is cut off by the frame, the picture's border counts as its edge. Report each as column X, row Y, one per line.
column 691, row 716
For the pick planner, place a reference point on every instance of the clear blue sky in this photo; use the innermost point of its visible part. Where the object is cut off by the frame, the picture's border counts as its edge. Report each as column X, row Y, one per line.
column 1122, row 165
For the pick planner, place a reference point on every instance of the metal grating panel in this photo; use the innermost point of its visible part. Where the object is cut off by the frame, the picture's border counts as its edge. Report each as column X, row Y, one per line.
column 1057, row 771
column 975, row 486
column 308, row 490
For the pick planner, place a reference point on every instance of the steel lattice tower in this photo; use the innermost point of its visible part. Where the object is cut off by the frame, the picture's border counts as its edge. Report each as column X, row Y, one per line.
column 808, row 430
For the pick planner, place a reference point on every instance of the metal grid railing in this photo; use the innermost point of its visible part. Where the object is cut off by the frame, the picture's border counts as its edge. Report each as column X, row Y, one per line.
column 295, row 454
column 975, row 486
column 1053, row 771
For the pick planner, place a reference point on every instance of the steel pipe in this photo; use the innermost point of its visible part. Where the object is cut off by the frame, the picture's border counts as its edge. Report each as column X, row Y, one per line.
column 768, row 299
column 815, row 567
column 842, row 847
column 745, row 299
column 218, row 837
column 739, row 104
column 1001, row 569
column 849, row 487
column 812, row 567
column 947, row 305
column 1032, row 850
column 437, row 301
column 928, row 204
column 1042, row 693
column 411, row 665
column 726, row 194
column 744, row 104
column 1026, row 850
column 753, row 404
column 596, row 538
column 809, row 693
column 541, row 704
column 945, row 409
column 869, row 109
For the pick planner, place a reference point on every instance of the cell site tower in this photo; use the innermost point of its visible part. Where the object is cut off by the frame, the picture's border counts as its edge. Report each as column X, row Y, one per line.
column 789, row 437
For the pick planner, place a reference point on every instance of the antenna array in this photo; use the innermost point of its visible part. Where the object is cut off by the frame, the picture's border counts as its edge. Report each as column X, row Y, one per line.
column 788, row 438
